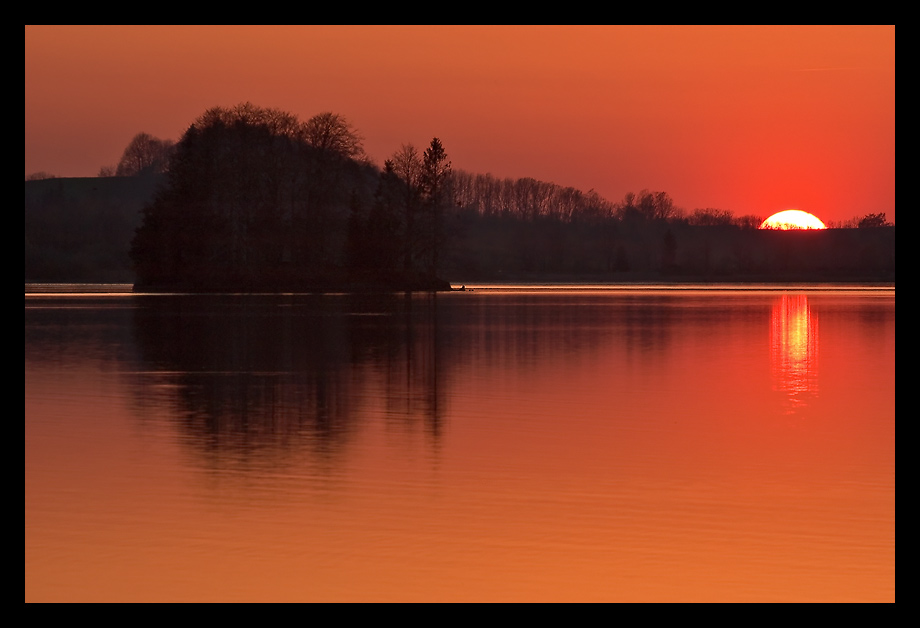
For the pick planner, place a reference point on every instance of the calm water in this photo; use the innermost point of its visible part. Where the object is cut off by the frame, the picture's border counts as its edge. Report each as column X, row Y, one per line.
column 504, row 444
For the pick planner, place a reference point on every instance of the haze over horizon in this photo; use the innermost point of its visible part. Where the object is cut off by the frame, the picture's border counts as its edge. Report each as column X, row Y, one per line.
column 750, row 119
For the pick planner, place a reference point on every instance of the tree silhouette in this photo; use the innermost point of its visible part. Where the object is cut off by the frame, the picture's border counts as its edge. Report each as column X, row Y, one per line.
column 247, row 197
column 331, row 133
column 406, row 165
column 144, row 153
column 436, row 195
column 873, row 220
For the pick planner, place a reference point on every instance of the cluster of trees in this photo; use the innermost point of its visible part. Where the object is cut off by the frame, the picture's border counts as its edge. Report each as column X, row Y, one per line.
column 402, row 233
column 144, row 154
column 528, row 198
column 256, row 199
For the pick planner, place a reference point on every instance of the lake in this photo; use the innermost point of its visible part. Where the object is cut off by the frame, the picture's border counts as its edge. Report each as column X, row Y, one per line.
column 505, row 443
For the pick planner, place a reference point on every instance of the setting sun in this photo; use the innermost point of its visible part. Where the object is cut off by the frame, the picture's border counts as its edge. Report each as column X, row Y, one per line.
column 792, row 219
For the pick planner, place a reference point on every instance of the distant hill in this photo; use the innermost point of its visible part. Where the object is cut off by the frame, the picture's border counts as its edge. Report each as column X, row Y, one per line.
column 80, row 229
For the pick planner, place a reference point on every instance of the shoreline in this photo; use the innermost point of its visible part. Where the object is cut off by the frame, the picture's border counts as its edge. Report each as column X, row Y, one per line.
column 544, row 283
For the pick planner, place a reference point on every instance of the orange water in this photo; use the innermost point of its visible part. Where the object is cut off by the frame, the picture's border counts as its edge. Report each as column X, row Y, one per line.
column 495, row 445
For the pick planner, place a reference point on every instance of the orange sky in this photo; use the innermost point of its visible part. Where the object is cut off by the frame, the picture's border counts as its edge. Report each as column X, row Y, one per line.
column 754, row 120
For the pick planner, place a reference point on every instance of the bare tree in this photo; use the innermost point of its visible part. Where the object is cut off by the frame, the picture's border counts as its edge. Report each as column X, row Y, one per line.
column 647, row 206
column 407, row 165
column 331, row 133
column 144, row 153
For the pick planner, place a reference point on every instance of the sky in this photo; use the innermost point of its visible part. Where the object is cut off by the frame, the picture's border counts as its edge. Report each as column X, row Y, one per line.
column 750, row 119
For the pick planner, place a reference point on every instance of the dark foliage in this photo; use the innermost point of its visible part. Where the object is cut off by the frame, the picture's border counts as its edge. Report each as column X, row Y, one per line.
column 255, row 200
column 251, row 203
column 873, row 220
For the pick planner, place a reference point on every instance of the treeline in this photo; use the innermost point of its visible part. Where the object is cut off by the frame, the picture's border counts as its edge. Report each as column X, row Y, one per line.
column 530, row 199
column 523, row 229
column 254, row 199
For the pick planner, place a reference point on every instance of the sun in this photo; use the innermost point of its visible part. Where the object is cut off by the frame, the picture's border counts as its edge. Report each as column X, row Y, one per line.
column 792, row 219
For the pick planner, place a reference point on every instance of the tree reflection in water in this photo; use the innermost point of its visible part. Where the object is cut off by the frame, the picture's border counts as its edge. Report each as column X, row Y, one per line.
column 252, row 377
column 794, row 350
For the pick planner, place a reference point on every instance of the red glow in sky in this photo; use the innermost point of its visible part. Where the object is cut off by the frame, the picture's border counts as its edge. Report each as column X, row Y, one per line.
column 753, row 120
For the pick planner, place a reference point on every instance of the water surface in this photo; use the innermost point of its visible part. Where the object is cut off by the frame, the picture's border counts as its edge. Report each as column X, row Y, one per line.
column 510, row 443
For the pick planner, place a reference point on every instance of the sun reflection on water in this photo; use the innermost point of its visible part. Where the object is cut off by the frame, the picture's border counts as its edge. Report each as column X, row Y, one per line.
column 794, row 350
